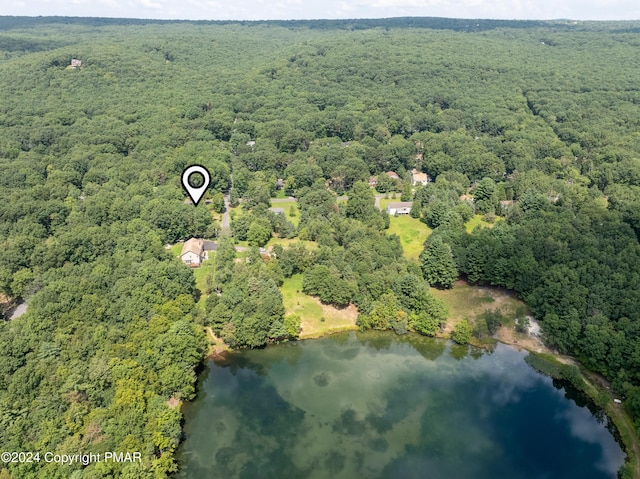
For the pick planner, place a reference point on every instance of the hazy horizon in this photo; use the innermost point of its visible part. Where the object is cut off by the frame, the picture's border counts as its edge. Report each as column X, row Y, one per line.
column 243, row 10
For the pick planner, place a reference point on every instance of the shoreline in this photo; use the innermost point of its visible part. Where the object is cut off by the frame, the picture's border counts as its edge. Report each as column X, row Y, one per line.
column 615, row 412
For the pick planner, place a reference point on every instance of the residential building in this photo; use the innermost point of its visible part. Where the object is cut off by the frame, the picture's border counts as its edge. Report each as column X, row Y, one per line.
column 418, row 178
column 193, row 252
column 399, row 208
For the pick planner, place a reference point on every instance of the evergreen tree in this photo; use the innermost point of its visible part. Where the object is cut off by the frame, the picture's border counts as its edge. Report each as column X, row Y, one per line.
column 407, row 194
column 438, row 265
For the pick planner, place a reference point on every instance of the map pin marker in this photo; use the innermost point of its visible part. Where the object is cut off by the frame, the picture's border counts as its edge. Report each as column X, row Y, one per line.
column 195, row 193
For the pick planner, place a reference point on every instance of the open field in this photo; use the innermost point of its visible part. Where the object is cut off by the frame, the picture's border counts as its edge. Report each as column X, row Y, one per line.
column 412, row 233
column 317, row 319
column 466, row 301
column 478, row 221
column 287, row 207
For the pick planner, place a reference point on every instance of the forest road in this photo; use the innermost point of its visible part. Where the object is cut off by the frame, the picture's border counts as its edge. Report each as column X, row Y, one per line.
column 225, row 216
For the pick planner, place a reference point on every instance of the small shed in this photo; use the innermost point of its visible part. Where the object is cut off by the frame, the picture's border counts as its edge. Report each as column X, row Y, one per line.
column 277, row 210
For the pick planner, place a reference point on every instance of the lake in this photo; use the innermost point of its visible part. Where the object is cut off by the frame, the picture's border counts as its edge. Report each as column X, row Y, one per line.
column 377, row 405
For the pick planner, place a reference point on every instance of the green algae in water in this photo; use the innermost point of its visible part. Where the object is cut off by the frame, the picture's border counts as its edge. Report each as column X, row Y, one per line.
column 368, row 405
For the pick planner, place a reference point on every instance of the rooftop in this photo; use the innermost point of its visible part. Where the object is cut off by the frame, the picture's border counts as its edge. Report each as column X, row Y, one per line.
column 193, row 245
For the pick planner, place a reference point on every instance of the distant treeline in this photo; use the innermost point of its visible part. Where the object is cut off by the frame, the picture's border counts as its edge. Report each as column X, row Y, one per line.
column 533, row 127
column 436, row 23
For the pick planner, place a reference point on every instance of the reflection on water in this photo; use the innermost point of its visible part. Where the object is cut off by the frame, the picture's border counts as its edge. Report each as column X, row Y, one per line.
column 378, row 405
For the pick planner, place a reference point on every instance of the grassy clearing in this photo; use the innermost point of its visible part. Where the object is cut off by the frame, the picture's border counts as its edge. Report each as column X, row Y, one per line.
column 201, row 273
column 412, row 232
column 317, row 319
column 280, row 193
column 478, row 221
column 287, row 243
column 176, row 249
column 465, row 301
column 287, row 208
column 384, row 202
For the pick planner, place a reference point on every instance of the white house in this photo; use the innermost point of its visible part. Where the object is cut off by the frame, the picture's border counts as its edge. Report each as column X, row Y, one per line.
column 192, row 252
column 400, row 208
column 418, row 178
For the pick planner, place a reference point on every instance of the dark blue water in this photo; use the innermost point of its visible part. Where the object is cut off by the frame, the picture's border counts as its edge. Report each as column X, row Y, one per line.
column 378, row 405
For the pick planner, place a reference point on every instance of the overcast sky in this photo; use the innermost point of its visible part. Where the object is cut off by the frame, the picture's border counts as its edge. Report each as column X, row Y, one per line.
column 308, row 9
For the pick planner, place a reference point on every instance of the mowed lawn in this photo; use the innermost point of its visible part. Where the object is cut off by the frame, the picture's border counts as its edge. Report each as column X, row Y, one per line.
column 201, row 273
column 176, row 249
column 287, row 209
column 384, row 202
column 317, row 318
column 412, row 232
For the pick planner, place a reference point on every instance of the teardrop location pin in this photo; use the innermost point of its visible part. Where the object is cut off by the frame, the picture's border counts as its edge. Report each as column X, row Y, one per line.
column 195, row 192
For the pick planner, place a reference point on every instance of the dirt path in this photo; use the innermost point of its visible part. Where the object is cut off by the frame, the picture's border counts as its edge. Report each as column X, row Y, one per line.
column 218, row 346
column 226, row 220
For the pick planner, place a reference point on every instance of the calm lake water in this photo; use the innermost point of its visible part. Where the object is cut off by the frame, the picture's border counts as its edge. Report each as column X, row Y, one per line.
column 377, row 405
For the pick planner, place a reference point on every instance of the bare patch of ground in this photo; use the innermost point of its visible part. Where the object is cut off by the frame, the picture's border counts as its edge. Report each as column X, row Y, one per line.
column 217, row 346
column 332, row 320
column 508, row 335
column 173, row 402
column 6, row 304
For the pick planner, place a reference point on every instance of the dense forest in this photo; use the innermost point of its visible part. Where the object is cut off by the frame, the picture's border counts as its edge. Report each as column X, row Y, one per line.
column 534, row 125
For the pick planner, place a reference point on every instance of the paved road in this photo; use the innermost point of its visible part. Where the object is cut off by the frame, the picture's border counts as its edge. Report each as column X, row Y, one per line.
column 283, row 200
